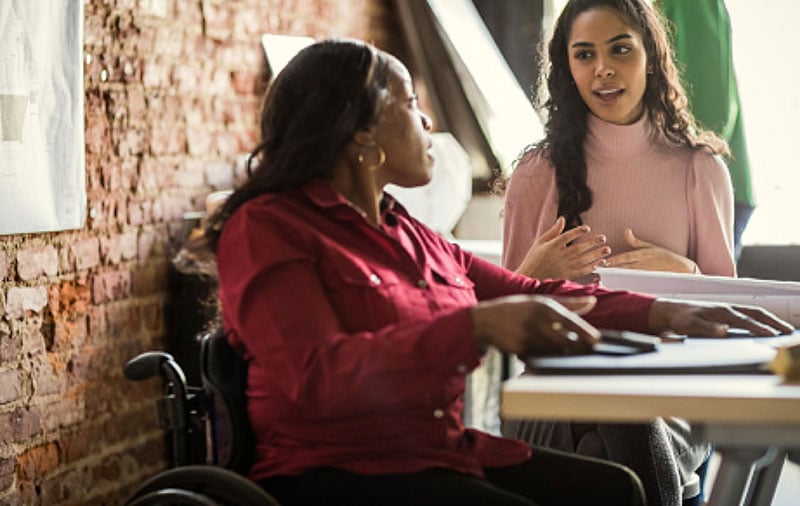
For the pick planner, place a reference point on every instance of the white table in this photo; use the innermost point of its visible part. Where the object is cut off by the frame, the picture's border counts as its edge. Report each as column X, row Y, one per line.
column 751, row 419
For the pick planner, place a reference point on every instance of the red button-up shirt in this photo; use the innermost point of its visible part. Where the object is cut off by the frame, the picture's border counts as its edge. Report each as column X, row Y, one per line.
column 359, row 339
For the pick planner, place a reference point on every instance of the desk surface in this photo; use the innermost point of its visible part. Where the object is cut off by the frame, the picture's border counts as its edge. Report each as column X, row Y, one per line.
column 736, row 399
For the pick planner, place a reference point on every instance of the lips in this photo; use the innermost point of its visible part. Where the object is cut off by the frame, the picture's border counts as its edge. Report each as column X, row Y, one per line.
column 608, row 94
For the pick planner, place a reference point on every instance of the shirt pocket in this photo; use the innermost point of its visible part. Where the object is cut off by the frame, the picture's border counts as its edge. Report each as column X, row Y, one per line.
column 364, row 297
column 452, row 287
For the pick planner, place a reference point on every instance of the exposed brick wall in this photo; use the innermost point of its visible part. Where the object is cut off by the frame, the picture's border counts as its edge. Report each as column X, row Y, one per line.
column 172, row 95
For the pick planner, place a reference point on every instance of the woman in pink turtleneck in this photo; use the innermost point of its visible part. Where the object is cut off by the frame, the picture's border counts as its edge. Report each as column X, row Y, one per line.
column 624, row 177
column 623, row 167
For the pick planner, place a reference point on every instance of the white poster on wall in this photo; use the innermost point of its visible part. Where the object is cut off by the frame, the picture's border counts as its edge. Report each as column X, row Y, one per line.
column 42, row 160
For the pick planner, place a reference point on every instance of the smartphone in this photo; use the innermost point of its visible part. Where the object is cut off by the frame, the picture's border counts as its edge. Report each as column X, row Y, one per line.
column 624, row 342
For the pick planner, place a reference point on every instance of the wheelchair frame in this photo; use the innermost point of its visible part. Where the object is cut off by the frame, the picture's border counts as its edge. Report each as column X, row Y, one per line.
column 212, row 441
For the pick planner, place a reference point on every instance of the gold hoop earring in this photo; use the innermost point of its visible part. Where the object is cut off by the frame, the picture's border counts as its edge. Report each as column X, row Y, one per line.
column 381, row 159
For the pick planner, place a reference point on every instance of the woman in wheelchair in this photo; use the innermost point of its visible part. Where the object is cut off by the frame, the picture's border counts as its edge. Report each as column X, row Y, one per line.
column 359, row 324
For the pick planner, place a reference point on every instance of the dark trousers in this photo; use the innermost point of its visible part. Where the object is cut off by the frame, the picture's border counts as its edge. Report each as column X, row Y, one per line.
column 549, row 477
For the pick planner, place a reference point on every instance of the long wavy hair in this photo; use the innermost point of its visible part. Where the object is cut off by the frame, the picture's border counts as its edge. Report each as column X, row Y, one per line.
column 324, row 95
column 566, row 113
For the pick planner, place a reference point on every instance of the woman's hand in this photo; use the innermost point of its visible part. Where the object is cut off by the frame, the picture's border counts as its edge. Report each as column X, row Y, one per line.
column 568, row 255
column 649, row 257
column 534, row 324
column 713, row 319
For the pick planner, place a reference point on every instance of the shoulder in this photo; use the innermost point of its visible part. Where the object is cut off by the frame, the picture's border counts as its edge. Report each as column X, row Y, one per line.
column 531, row 163
column 532, row 169
column 260, row 220
column 705, row 165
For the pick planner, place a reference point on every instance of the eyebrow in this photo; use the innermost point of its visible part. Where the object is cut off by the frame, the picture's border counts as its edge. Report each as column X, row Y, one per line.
column 609, row 41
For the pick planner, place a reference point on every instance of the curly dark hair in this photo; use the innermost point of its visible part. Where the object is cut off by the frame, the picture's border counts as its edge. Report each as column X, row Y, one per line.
column 326, row 93
column 565, row 112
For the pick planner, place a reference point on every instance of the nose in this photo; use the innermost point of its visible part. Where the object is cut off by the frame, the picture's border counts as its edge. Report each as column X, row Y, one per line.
column 603, row 69
column 427, row 122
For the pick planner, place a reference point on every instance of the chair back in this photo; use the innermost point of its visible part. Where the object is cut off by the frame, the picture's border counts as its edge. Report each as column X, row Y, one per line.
column 224, row 374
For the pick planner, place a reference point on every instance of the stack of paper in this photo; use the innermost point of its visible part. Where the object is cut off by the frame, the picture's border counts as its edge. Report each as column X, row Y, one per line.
column 780, row 297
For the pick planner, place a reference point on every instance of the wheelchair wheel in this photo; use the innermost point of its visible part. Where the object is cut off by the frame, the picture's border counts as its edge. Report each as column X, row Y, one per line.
column 200, row 486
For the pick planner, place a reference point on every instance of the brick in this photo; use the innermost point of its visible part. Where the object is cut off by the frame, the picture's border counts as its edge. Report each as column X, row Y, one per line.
column 219, row 174
column 245, row 82
column 38, row 461
column 20, row 425
column 129, row 245
column 22, row 300
column 62, row 413
column 74, row 298
column 199, row 141
column 10, row 387
column 7, row 472
column 3, row 265
column 34, row 262
column 152, row 243
column 188, row 78
column 110, row 252
column 110, row 286
column 124, row 321
column 156, row 73
column 70, row 333
column 30, row 331
column 79, row 444
column 69, row 487
column 48, row 374
column 86, row 253
column 167, row 140
column 149, row 279
column 107, row 470
column 155, row 8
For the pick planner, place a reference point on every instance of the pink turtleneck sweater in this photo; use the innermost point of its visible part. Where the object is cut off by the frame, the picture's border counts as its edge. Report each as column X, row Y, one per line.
column 674, row 197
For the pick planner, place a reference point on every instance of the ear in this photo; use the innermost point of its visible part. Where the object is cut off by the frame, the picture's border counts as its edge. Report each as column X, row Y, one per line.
column 364, row 138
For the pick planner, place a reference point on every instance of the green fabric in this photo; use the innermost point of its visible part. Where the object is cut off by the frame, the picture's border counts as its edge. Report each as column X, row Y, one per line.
column 702, row 44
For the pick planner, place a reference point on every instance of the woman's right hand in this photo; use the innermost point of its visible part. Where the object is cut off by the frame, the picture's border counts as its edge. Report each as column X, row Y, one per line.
column 565, row 255
column 534, row 324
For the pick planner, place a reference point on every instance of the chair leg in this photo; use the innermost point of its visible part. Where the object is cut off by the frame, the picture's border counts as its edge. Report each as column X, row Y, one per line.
column 766, row 473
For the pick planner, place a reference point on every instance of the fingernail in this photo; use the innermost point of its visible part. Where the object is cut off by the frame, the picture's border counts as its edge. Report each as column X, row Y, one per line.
column 572, row 336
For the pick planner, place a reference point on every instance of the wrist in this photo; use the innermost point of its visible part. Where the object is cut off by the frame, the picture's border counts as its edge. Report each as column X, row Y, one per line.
column 658, row 318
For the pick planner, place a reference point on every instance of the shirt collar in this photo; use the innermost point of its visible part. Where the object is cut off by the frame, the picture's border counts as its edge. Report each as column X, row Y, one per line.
column 619, row 142
column 324, row 196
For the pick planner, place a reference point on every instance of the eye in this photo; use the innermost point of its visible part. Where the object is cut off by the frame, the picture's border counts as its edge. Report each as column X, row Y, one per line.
column 583, row 55
column 622, row 49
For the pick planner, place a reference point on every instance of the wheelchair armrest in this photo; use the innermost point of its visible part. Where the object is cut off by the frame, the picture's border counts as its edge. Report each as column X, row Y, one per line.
column 175, row 408
column 146, row 365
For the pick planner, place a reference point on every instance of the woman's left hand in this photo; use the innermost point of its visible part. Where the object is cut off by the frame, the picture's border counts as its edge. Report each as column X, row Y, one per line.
column 713, row 319
column 649, row 257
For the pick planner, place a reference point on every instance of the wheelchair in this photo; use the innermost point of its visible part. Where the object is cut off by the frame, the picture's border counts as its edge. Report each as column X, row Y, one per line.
column 211, row 437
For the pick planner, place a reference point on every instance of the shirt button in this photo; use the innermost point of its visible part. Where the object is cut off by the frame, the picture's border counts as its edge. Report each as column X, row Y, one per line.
column 461, row 368
column 422, row 283
column 459, row 281
column 438, row 413
column 374, row 279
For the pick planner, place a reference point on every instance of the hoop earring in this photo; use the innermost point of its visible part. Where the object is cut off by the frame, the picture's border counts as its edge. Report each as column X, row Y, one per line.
column 381, row 159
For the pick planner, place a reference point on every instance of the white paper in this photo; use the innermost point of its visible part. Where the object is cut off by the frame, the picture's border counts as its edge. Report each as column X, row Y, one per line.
column 42, row 164
column 659, row 283
column 779, row 297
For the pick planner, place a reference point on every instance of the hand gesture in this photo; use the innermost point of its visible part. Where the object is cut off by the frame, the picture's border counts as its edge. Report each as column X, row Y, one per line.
column 649, row 257
column 713, row 319
column 534, row 324
column 568, row 255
